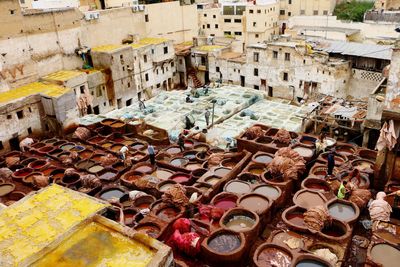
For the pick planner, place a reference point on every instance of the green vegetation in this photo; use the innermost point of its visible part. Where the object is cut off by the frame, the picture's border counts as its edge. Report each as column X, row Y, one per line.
column 353, row 10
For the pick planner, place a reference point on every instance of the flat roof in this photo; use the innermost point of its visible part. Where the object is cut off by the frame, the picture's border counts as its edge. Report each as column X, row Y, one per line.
column 208, row 48
column 233, row 56
column 63, row 75
column 347, row 31
column 47, row 89
column 108, row 48
column 355, row 49
column 152, row 40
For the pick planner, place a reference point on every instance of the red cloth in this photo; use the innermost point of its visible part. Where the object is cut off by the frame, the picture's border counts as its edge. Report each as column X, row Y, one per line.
column 182, row 225
column 189, row 243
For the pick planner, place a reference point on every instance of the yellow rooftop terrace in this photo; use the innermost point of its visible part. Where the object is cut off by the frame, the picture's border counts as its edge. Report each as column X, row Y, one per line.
column 142, row 43
column 63, row 75
column 108, row 48
column 46, row 89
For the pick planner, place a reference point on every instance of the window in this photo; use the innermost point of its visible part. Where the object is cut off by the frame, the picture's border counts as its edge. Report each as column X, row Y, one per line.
column 287, row 56
column 304, row 61
column 22, row 1
column 227, row 20
column 123, row 68
column 158, row 85
column 290, row 2
column 257, row 35
column 238, row 21
column 302, row 12
column 205, row 15
column 227, row 33
column 325, row 12
column 208, row 26
column 172, row 64
column 255, row 72
column 254, row 24
column 1, row 145
column 258, row 11
column 110, row 102
column 30, row 110
column 128, row 102
column 96, row 110
column 119, row 103
column 315, row 12
column 129, row 84
column 289, row 14
column 204, row 26
column 251, row 11
column 104, row 103
column 145, row 58
column 99, row 92
column 180, row 61
column 285, row 76
column 216, row 26
column 238, row 33
column 146, row 18
column 152, row 51
column 146, row 77
column 282, row 12
column 121, row 57
column 255, row 56
column 9, row 117
column 217, row 69
column 214, row 16
column 256, row 87
column 203, row 60
column 12, row 11
column 20, row 114
column 157, row 71
column 274, row 54
column 30, row 130
column 166, row 50
column 82, row 89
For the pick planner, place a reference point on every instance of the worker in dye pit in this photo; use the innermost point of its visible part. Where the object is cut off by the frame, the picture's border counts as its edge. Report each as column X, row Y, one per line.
column 206, row 87
column 25, row 144
column 341, row 194
column 188, row 99
column 181, row 142
column 331, row 163
column 123, row 151
column 142, row 106
column 152, row 154
column 207, row 116
column 379, row 211
column 320, row 144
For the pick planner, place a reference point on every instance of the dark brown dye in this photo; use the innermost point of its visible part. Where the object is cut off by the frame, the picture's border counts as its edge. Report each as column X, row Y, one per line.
column 296, row 218
column 112, row 193
column 274, row 257
column 224, row 243
column 334, row 230
column 107, row 176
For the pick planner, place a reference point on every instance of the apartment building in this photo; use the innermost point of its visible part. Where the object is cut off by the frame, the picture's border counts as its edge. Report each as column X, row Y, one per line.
column 387, row 4
column 245, row 22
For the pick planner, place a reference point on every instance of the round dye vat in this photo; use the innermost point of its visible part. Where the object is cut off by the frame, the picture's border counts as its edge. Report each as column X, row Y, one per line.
column 386, row 255
column 341, row 211
column 108, row 175
column 96, row 168
column 116, row 148
column 268, row 191
column 310, row 263
column 37, row 164
column 274, row 257
column 226, row 203
column 256, row 170
column 149, row 229
column 96, row 139
column 112, row 194
column 173, row 150
column 180, row 178
column 106, row 145
column 162, row 174
column 363, row 165
column 138, row 146
column 221, row 172
column 304, row 151
column 228, row 163
column 263, row 158
column 224, row 243
column 144, row 169
column 190, row 155
column 67, row 146
column 46, row 149
column 212, row 180
column 179, row 162
column 308, row 199
column 202, row 148
column 47, row 171
column 193, row 166
column 78, row 148
column 86, row 164
column 86, row 154
column 129, row 216
column 165, row 187
column 237, row 187
column 167, row 214
column 22, row 172
column 335, row 229
column 254, row 202
column 6, row 189
column 240, row 223
column 296, row 218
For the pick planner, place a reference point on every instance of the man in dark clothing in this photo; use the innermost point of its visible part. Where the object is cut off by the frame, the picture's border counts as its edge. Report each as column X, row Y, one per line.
column 331, row 163
column 188, row 100
column 152, row 154
column 181, row 142
column 207, row 116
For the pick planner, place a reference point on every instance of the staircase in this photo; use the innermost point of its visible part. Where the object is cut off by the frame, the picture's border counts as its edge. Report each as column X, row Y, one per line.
column 192, row 74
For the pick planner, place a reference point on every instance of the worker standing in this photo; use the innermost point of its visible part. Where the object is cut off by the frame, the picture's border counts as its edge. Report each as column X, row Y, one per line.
column 152, row 154
column 181, row 142
column 331, row 163
column 207, row 116
column 341, row 194
column 122, row 152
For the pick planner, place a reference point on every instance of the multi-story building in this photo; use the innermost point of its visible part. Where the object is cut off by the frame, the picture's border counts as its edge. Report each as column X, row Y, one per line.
column 246, row 22
column 387, row 4
column 48, row 4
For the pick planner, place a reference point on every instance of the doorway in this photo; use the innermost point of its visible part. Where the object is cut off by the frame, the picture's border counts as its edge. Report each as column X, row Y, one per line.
column 14, row 143
column 263, row 84
column 96, row 110
column 270, row 91
column 242, row 81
